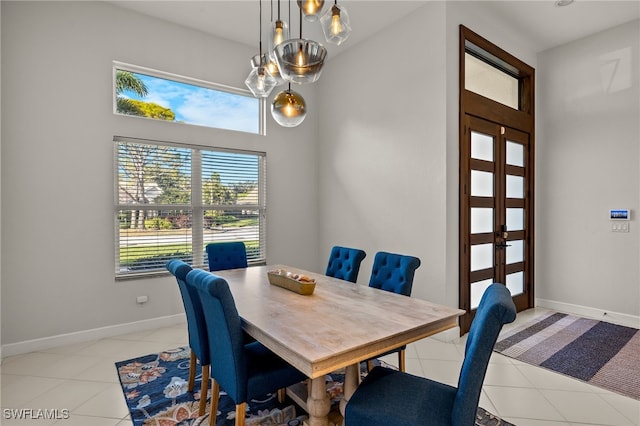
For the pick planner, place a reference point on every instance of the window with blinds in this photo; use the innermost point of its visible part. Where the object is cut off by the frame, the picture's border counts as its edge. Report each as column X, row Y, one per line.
column 172, row 200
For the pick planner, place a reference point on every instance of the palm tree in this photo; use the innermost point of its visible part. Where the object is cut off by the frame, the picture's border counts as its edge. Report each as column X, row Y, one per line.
column 126, row 80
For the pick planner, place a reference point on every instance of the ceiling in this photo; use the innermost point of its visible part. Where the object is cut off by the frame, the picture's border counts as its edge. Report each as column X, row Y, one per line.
column 543, row 23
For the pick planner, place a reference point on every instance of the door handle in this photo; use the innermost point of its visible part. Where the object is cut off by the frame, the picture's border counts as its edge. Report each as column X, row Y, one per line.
column 504, row 235
column 503, row 232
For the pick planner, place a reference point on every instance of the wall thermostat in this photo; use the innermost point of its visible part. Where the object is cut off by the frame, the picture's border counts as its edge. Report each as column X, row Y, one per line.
column 619, row 214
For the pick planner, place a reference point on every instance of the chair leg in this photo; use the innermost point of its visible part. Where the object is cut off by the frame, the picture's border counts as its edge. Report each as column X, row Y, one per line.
column 282, row 393
column 241, row 412
column 215, row 395
column 204, row 390
column 369, row 366
column 401, row 360
column 192, row 371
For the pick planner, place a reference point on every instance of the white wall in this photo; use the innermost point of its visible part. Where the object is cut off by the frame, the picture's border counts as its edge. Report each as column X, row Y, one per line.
column 0, row 186
column 382, row 147
column 57, row 161
column 588, row 162
column 388, row 154
column 389, row 142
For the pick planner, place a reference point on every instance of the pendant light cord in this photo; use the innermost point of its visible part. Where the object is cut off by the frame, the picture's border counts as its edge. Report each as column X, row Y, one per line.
column 260, row 31
column 300, row 22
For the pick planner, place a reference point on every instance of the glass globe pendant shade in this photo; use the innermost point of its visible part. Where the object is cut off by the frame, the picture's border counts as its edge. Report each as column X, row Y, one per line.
column 270, row 65
column 311, row 9
column 288, row 108
column 335, row 24
column 260, row 82
column 255, row 60
column 300, row 60
column 279, row 33
column 272, row 68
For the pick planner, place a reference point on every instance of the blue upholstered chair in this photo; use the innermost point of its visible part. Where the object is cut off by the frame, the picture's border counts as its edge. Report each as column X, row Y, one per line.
column 196, row 327
column 242, row 370
column 344, row 263
column 391, row 398
column 394, row 272
column 227, row 255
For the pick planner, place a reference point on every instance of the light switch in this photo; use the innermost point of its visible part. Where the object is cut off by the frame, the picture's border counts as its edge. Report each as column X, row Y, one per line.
column 619, row 226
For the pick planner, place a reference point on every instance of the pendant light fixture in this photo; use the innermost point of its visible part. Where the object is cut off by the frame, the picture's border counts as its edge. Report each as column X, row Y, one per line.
column 335, row 24
column 270, row 65
column 272, row 68
column 311, row 9
column 259, row 81
column 288, row 108
column 300, row 60
column 279, row 31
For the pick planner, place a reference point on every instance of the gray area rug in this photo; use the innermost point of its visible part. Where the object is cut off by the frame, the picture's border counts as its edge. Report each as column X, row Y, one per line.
column 597, row 352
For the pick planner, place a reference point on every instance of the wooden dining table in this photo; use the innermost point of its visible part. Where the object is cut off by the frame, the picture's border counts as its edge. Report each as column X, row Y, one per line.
column 339, row 325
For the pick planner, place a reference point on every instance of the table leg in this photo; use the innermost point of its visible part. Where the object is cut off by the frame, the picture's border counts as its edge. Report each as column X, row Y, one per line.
column 318, row 403
column 351, row 379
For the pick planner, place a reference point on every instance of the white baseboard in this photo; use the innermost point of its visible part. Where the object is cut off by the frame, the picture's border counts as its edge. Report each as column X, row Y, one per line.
column 89, row 335
column 585, row 311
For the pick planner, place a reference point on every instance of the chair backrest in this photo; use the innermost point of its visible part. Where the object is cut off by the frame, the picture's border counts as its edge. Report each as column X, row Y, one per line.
column 393, row 272
column 228, row 255
column 226, row 339
column 196, row 327
column 496, row 308
column 344, row 263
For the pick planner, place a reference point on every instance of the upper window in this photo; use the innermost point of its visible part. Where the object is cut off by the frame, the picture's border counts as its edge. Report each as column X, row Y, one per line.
column 161, row 96
column 491, row 77
column 171, row 200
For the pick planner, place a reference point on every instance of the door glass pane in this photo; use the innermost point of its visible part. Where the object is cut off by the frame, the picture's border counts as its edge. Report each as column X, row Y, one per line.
column 515, row 154
column 481, row 256
column 515, row 283
column 515, row 253
column 515, row 186
column 481, row 184
column 481, row 146
column 481, row 220
column 515, row 219
column 477, row 290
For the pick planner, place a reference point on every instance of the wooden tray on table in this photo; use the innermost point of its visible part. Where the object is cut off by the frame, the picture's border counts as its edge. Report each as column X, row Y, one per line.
column 300, row 284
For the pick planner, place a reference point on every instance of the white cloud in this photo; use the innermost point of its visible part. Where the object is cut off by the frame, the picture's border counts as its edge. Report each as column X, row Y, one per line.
column 203, row 106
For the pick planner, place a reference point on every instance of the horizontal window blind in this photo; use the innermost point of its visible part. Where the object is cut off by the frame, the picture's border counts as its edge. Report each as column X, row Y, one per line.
column 172, row 200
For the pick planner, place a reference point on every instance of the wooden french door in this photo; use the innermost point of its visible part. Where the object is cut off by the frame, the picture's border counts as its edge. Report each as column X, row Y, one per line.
column 496, row 214
column 496, row 184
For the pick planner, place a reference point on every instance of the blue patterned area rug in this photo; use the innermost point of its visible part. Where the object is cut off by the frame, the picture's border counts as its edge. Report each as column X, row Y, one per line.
column 155, row 390
column 597, row 352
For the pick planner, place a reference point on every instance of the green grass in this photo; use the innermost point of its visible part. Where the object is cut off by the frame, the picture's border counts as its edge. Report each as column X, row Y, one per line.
column 131, row 255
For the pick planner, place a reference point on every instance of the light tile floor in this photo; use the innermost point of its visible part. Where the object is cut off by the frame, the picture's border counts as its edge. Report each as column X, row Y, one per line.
column 82, row 378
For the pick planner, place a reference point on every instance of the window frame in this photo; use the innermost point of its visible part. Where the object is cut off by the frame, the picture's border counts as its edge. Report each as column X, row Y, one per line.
column 117, row 65
column 196, row 205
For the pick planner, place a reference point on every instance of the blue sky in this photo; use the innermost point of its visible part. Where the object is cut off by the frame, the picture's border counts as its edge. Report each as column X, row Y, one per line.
column 202, row 106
